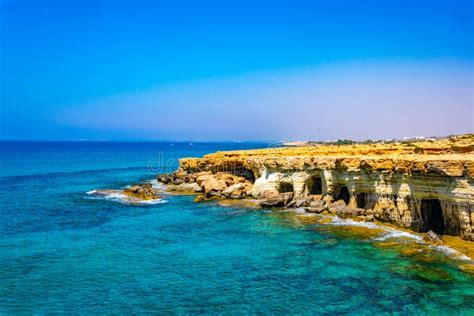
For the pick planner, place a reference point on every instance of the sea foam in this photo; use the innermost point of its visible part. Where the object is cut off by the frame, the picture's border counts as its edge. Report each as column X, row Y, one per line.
column 117, row 196
column 392, row 233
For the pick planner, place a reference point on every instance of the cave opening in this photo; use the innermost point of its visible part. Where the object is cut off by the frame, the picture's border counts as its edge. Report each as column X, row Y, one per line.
column 361, row 200
column 433, row 215
column 343, row 194
column 315, row 185
column 244, row 172
column 285, row 187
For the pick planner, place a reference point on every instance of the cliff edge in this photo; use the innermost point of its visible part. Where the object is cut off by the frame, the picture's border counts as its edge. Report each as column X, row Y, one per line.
column 420, row 185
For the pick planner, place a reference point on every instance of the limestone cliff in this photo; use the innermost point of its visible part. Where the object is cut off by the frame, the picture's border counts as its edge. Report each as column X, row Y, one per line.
column 423, row 186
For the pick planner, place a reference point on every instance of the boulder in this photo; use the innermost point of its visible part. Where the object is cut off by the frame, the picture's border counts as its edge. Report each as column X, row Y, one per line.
column 247, row 187
column 234, row 187
column 328, row 199
column 177, row 180
column 302, row 202
column 186, row 187
column 281, row 200
column 272, row 203
column 196, row 175
column 267, row 194
column 142, row 191
column 346, row 212
column 337, row 206
column 366, row 218
column 228, row 178
column 212, row 193
column 317, row 203
column 237, row 194
column 315, row 209
column 317, row 206
column 180, row 173
column 187, row 179
column 432, row 236
column 200, row 198
column 163, row 178
column 203, row 178
column 212, row 184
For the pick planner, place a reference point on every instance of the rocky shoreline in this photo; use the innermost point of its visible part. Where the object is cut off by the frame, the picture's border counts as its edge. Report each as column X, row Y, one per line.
column 223, row 185
column 427, row 186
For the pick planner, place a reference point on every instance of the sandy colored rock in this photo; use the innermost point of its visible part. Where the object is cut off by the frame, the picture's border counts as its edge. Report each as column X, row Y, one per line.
column 143, row 191
column 279, row 201
column 233, row 188
column 403, row 183
column 213, row 184
column 186, row 187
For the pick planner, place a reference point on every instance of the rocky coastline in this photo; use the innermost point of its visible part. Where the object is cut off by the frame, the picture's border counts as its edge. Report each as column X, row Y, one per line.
column 424, row 186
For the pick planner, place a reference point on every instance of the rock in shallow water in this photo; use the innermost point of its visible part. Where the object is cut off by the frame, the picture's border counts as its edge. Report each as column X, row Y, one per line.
column 144, row 191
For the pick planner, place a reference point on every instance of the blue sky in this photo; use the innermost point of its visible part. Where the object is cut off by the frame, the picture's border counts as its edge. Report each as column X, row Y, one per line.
column 241, row 70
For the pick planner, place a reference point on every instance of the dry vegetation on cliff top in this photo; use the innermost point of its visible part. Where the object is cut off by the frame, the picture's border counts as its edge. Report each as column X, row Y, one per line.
column 459, row 147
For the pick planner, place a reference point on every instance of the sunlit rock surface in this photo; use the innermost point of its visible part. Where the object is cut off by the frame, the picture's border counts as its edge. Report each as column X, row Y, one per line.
column 423, row 185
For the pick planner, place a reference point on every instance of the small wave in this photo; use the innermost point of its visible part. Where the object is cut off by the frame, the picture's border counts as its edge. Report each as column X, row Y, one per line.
column 151, row 202
column 398, row 234
column 451, row 252
column 117, row 196
column 300, row 211
column 156, row 185
column 349, row 222
column 389, row 233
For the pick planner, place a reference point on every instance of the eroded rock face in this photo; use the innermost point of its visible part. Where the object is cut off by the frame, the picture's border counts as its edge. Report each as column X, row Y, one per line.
column 423, row 186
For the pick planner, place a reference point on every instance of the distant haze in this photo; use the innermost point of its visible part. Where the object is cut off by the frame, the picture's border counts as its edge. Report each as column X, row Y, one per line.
column 236, row 70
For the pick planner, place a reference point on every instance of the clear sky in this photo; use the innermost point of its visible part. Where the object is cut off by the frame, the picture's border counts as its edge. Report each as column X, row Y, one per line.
column 235, row 70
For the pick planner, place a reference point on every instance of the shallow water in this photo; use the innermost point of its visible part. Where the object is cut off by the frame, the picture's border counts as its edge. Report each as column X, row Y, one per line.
column 61, row 251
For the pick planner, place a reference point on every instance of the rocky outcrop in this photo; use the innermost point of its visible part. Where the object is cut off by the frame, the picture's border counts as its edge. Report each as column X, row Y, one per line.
column 220, row 184
column 142, row 191
column 423, row 186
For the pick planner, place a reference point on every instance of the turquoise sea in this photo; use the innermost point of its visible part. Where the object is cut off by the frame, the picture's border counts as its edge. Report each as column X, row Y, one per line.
column 63, row 251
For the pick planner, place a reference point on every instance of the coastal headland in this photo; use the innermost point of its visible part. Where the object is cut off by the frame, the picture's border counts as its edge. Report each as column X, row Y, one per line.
column 423, row 185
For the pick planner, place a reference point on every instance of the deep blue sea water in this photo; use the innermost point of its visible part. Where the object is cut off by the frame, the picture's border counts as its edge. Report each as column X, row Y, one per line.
column 62, row 251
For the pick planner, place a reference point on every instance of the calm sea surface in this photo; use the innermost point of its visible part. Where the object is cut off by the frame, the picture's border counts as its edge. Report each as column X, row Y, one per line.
column 63, row 251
